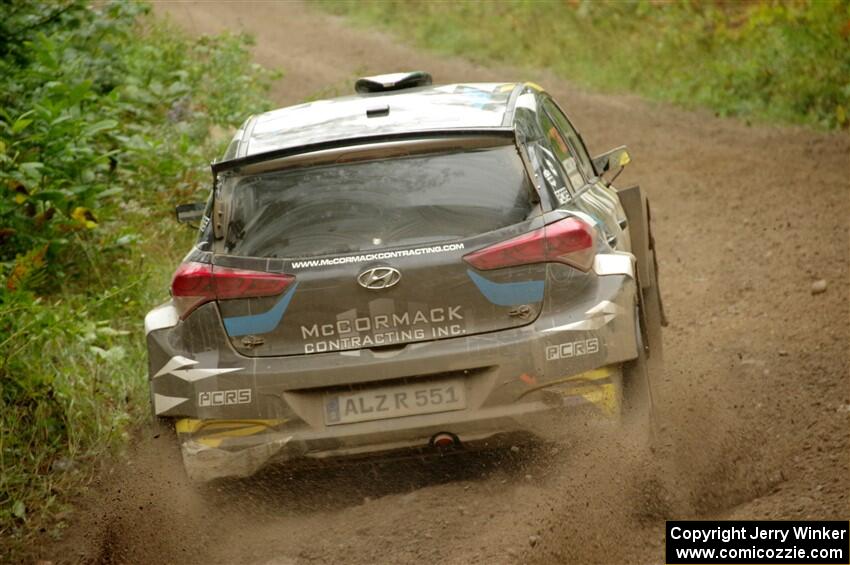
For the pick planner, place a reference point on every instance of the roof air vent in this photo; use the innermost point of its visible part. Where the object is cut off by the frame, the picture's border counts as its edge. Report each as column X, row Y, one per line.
column 392, row 81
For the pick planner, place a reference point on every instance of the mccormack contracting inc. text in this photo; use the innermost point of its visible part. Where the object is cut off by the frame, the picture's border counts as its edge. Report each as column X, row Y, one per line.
column 757, row 542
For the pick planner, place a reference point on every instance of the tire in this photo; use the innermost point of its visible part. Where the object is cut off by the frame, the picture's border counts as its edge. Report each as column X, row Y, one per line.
column 163, row 428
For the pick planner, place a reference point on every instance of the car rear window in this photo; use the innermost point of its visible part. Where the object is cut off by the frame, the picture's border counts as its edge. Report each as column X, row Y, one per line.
column 368, row 205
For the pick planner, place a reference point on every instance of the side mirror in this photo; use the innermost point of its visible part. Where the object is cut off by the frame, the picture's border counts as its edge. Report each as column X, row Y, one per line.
column 610, row 160
column 190, row 213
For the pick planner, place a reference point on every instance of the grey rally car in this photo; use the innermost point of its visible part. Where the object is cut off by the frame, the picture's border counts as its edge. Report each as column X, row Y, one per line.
column 414, row 267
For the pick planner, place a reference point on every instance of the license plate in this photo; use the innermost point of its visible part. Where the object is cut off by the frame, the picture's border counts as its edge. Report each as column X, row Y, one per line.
column 394, row 402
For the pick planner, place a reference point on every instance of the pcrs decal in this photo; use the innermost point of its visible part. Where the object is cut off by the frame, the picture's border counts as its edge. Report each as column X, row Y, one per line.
column 224, row 397
column 183, row 368
column 572, row 349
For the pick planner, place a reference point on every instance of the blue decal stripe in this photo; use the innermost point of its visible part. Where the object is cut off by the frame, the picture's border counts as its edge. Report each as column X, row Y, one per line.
column 508, row 294
column 260, row 323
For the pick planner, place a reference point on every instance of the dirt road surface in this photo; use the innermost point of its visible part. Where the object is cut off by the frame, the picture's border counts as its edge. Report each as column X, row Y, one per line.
column 756, row 401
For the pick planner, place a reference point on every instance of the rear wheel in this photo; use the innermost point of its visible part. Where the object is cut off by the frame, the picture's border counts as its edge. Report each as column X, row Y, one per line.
column 164, row 436
column 162, row 426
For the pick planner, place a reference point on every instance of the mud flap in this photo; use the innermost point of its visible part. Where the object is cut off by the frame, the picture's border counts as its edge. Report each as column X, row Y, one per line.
column 634, row 204
column 637, row 211
column 656, row 284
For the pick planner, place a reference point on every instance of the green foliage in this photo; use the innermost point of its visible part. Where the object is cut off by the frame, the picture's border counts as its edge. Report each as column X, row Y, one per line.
column 107, row 119
column 776, row 60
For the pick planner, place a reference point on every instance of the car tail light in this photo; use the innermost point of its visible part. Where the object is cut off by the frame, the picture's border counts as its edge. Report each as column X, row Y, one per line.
column 236, row 283
column 197, row 283
column 569, row 241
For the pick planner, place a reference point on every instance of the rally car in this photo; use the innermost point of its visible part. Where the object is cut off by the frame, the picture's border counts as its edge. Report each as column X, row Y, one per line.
column 413, row 267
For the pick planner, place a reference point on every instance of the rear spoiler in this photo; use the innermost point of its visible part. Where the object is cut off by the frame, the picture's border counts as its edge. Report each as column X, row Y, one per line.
column 278, row 154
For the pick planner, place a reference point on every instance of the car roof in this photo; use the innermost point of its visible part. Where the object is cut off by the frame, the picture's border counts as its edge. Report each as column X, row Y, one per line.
column 452, row 107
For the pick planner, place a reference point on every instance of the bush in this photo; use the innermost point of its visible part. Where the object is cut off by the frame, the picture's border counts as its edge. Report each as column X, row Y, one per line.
column 107, row 119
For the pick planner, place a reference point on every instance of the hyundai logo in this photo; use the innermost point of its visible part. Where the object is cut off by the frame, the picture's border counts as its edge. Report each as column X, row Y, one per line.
column 377, row 278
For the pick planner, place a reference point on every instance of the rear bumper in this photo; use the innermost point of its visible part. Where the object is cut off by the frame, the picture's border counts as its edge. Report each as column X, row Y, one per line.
column 241, row 448
column 236, row 414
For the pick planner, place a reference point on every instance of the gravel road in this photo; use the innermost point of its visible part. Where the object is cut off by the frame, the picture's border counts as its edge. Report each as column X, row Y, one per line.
column 756, row 401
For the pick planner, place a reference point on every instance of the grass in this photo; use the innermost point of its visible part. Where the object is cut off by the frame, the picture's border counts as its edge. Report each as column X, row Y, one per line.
column 767, row 60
